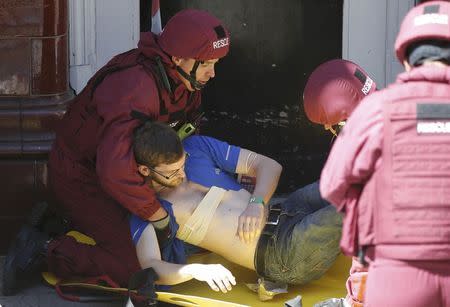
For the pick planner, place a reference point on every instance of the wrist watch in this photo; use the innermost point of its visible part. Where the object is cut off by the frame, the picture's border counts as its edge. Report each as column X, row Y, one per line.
column 256, row 200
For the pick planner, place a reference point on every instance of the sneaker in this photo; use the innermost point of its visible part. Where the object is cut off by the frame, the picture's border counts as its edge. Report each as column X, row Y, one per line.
column 25, row 255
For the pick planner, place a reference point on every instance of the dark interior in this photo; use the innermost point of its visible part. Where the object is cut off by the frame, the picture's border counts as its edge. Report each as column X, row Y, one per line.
column 255, row 100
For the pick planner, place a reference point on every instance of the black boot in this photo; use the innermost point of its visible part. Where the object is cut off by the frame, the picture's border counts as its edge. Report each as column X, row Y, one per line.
column 25, row 256
column 27, row 252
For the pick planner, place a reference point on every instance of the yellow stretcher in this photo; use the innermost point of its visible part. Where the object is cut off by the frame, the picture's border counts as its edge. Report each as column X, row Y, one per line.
column 332, row 284
column 195, row 293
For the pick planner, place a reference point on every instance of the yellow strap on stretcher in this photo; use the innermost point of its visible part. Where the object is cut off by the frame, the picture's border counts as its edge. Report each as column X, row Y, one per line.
column 167, row 297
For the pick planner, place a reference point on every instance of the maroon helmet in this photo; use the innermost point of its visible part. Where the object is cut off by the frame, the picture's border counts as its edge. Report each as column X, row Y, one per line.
column 195, row 34
column 428, row 21
column 333, row 90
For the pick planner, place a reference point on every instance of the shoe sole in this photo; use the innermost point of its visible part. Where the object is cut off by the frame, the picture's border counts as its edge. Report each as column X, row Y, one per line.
column 9, row 269
column 14, row 262
column 9, row 275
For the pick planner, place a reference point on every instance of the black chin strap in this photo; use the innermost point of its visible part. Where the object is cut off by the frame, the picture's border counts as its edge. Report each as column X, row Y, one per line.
column 191, row 77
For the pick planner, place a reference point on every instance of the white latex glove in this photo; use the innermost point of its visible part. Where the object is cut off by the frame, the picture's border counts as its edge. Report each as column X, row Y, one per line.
column 216, row 275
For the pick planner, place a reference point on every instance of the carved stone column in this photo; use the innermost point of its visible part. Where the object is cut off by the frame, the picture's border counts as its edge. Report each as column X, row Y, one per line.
column 34, row 92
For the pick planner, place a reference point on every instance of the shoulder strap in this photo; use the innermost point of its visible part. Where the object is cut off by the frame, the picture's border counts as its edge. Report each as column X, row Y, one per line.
column 141, row 116
column 120, row 62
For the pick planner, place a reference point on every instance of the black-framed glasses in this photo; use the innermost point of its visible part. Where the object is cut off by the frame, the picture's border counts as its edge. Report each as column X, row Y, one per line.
column 174, row 173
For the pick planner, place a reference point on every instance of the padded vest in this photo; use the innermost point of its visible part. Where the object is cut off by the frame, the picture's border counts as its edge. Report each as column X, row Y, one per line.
column 413, row 182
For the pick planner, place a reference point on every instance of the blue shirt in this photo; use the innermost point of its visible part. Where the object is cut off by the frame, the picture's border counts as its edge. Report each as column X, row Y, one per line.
column 211, row 162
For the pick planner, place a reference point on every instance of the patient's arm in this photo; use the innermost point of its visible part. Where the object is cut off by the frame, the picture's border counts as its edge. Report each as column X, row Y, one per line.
column 267, row 172
column 217, row 276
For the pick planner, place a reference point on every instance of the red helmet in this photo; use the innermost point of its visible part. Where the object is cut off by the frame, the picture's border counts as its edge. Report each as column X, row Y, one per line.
column 334, row 89
column 195, row 34
column 428, row 21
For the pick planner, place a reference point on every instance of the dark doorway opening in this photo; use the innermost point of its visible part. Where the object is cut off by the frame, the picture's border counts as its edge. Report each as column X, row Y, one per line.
column 255, row 100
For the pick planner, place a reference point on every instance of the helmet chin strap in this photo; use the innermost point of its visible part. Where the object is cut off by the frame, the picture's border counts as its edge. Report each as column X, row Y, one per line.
column 191, row 77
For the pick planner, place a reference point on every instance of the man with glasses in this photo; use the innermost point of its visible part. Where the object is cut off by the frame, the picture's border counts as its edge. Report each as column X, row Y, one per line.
column 172, row 176
column 298, row 243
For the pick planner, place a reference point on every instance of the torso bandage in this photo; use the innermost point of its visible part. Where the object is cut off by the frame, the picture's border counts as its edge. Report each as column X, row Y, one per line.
column 194, row 230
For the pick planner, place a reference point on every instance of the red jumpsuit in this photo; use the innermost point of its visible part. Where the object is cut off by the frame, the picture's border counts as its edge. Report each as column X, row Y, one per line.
column 92, row 170
column 389, row 172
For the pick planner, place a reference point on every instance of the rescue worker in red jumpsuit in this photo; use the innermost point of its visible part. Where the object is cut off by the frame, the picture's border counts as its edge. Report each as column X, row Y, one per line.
column 392, row 160
column 92, row 170
column 333, row 90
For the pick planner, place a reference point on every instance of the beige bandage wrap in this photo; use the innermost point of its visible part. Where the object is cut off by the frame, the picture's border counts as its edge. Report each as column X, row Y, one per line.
column 194, row 230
